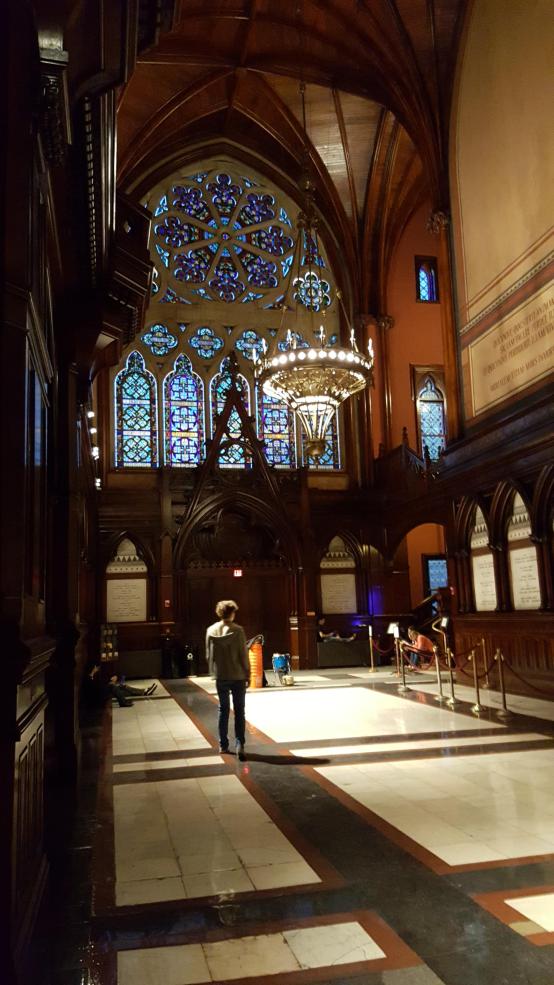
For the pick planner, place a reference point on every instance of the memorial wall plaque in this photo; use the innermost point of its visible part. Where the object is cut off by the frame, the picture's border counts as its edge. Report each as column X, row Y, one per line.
column 484, row 585
column 338, row 593
column 526, row 592
column 126, row 599
column 514, row 353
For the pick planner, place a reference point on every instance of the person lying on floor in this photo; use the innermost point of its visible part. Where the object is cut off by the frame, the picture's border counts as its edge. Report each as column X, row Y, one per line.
column 115, row 688
column 322, row 635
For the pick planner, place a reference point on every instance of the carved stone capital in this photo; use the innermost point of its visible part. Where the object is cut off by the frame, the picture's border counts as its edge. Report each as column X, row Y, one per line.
column 438, row 221
column 385, row 322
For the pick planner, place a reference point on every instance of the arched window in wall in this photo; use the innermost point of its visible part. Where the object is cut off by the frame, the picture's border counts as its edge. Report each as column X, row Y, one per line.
column 482, row 565
column 184, row 428
column 222, row 245
column 276, row 427
column 427, row 285
column 233, row 455
column 135, row 415
column 431, row 417
column 522, row 554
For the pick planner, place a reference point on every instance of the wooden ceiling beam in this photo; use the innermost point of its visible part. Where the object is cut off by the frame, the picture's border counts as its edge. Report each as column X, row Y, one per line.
column 348, row 163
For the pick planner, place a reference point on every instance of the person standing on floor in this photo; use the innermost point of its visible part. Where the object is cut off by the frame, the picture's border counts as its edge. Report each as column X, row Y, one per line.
column 227, row 656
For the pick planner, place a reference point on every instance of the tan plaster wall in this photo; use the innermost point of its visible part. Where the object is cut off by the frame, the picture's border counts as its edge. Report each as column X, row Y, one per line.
column 502, row 148
column 415, row 338
column 425, row 539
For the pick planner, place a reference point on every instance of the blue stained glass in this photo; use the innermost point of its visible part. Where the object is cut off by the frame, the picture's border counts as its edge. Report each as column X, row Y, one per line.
column 226, row 281
column 182, row 326
column 284, row 217
column 206, row 343
column 190, row 200
column 162, row 206
column 331, row 456
column 246, row 344
column 135, row 415
column 289, row 343
column 248, row 182
column 225, row 194
column 333, row 339
column 233, row 453
column 251, row 296
column 437, row 573
column 159, row 340
column 312, row 256
column 276, row 428
column 272, row 240
column 155, row 287
column 259, row 208
column 192, row 266
column 171, row 297
column 432, row 428
column 260, row 272
column 286, row 265
column 312, row 292
column 426, row 282
column 163, row 254
column 200, row 177
column 184, row 430
column 177, row 233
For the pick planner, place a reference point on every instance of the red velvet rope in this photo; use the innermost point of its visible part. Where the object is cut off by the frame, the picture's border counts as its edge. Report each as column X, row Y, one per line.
column 539, row 690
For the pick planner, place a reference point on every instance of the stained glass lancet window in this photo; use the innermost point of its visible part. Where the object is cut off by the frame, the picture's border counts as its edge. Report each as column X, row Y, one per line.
column 331, row 458
column 135, row 415
column 431, row 418
column 275, row 426
column 427, row 288
column 234, row 455
column 184, row 429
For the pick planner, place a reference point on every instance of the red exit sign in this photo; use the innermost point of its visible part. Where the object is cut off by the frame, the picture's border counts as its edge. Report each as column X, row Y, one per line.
column 237, row 572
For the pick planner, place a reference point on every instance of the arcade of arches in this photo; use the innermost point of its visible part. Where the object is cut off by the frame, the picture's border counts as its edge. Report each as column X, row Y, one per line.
column 157, row 157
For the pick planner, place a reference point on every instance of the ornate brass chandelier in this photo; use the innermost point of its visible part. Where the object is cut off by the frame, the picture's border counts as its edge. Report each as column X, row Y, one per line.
column 312, row 381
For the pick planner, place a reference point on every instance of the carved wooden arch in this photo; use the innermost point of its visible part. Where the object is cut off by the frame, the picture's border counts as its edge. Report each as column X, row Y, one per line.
column 542, row 505
column 349, row 539
column 501, row 506
column 245, row 501
column 402, row 529
column 465, row 520
column 144, row 552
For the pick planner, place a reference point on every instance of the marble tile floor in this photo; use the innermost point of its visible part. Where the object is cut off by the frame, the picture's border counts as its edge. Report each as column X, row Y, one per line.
column 226, row 877
column 464, row 810
column 251, row 957
column 205, row 836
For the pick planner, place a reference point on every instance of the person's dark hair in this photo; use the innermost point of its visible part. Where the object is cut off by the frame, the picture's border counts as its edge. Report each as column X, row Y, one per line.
column 226, row 608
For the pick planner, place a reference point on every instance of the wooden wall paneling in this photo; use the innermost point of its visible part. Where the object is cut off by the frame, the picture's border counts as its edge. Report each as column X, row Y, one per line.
column 526, row 640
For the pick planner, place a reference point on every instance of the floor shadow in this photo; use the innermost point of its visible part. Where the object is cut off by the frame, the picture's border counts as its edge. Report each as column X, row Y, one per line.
column 286, row 760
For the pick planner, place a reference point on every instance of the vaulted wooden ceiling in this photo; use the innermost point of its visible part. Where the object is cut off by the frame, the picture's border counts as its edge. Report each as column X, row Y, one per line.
column 378, row 78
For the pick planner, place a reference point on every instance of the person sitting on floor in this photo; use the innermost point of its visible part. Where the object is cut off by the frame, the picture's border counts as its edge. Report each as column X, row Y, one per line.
column 420, row 647
column 115, row 688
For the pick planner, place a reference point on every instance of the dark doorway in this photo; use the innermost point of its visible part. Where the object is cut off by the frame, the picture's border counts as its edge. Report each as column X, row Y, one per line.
column 261, row 594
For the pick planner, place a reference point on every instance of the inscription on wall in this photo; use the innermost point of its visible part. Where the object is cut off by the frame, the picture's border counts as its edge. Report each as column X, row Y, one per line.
column 517, row 351
column 526, row 593
column 126, row 599
column 484, row 585
column 338, row 593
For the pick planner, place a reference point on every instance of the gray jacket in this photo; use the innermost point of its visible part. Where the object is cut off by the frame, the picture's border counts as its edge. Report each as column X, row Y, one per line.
column 226, row 652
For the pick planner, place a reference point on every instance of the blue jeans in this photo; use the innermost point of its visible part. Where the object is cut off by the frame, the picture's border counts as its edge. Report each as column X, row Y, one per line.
column 224, row 690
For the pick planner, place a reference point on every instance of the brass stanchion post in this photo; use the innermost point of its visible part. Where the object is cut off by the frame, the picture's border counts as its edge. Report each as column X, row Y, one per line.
column 440, row 696
column 371, row 656
column 485, row 668
column 452, row 700
column 403, row 687
column 397, row 655
column 477, row 708
column 504, row 711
